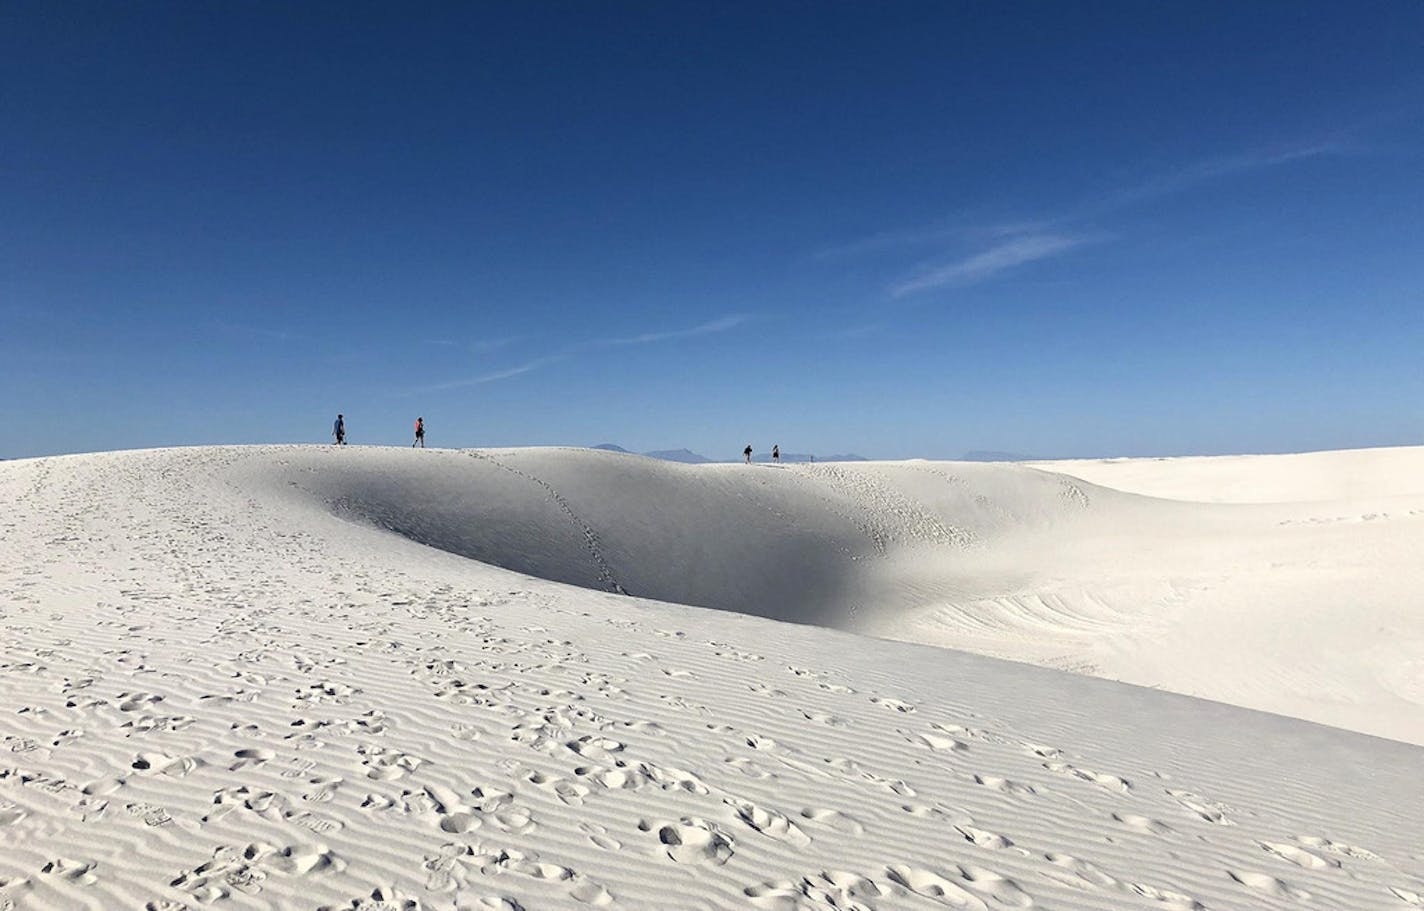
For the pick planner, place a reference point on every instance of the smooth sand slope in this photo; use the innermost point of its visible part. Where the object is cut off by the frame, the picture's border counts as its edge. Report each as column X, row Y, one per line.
column 239, row 678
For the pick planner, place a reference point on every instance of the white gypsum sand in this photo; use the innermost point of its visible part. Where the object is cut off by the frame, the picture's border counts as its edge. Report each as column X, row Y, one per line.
column 273, row 677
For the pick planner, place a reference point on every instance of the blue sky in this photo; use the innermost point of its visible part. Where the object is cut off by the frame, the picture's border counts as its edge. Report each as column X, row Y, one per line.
column 896, row 229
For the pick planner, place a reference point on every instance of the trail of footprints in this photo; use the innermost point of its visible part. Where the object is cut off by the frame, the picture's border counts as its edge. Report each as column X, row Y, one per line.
column 599, row 764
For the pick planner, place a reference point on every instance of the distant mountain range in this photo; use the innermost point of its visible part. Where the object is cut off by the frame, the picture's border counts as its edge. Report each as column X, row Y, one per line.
column 990, row 455
column 688, row 457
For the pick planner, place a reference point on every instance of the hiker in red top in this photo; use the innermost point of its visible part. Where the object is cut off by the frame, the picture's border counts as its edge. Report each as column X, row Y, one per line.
column 419, row 433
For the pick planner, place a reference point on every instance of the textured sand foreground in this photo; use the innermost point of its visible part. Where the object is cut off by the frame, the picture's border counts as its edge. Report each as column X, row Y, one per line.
column 241, row 678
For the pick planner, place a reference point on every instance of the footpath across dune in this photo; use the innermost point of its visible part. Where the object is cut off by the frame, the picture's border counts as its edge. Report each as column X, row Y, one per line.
column 250, row 678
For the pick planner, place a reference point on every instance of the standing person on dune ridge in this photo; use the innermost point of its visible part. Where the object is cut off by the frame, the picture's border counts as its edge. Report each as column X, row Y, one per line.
column 776, row 453
column 338, row 430
column 748, row 453
column 419, row 433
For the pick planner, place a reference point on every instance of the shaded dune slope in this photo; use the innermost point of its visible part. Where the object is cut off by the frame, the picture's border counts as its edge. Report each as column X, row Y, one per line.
column 796, row 543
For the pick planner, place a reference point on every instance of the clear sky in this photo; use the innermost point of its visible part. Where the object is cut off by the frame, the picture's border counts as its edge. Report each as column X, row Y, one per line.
column 901, row 229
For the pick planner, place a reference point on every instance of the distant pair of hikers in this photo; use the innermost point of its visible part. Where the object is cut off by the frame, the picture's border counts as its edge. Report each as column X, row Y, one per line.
column 338, row 430
column 775, row 453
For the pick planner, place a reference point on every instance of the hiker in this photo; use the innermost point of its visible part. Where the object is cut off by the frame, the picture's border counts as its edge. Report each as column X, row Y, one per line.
column 419, row 433
column 338, row 430
column 748, row 453
column 775, row 453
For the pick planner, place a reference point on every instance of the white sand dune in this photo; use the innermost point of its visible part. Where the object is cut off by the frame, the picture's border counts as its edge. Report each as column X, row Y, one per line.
column 274, row 677
column 1307, row 608
column 1351, row 475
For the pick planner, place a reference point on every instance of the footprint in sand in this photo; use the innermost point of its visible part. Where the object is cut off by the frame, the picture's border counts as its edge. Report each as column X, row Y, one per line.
column 932, row 885
column 769, row 822
column 616, row 779
column 776, row 895
column 600, row 837
column 164, row 764
column 599, row 749
column 748, row 768
column 513, row 820
column 251, row 758
column 1167, row 899
column 995, row 886
column 567, row 790
column 1142, row 823
column 77, row 872
column 1262, row 882
column 1335, row 847
column 384, row 764
column 940, row 743
column 385, row 898
column 828, row 889
column 1214, row 813
column 673, row 779
column 1298, row 856
column 825, row 718
column 128, row 702
column 1077, row 873
column 1111, row 782
column 835, row 819
column 591, row 893
column 321, row 790
column 982, row 837
column 692, row 840
column 1004, row 785
column 444, row 872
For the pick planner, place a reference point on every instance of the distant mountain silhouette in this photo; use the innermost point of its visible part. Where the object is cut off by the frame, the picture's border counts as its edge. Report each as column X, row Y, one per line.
column 990, row 455
column 611, row 447
column 678, row 455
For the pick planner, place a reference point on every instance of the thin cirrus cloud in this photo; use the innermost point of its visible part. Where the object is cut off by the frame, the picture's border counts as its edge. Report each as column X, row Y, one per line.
column 1212, row 169
column 718, row 325
column 1028, row 242
column 710, row 328
column 496, row 376
column 1010, row 254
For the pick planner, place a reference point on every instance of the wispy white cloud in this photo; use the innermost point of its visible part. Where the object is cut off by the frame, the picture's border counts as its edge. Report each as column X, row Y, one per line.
column 717, row 325
column 927, row 237
column 646, row 338
column 486, row 345
column 281, row 335
column 1212, row 169
column 481, row 346
column 1009, row 254
column 496, row 376
column 1017, row 243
